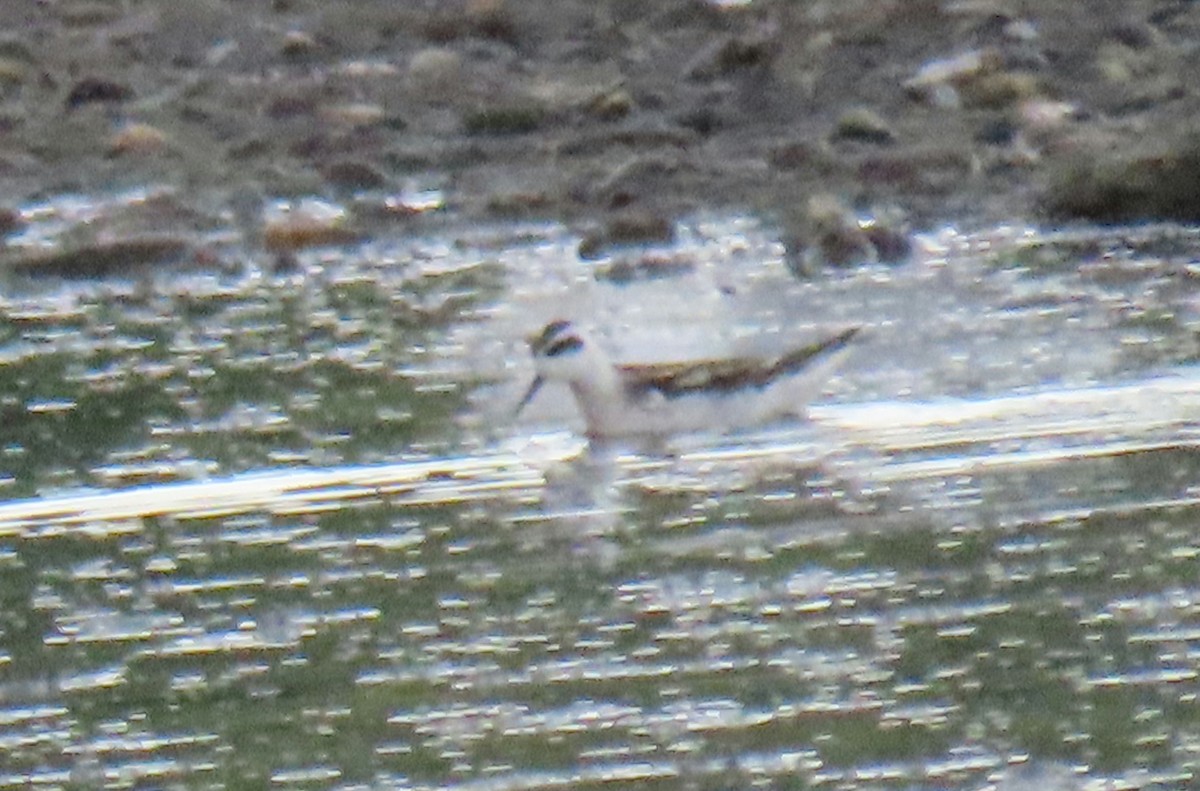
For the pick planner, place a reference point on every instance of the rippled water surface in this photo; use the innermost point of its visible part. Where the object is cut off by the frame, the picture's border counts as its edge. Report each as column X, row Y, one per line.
column 284, row 531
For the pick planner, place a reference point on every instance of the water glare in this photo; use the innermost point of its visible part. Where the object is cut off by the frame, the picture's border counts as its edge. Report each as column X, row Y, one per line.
column 282, row 529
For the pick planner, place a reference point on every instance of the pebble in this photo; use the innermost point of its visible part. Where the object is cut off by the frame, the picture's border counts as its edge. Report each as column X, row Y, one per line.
column 637, row 177
column 13, row 72
column 353, row 175
column 511, row 119
column 298, row 44
column 492, row 19
column 864, row 125
column 646, row 267
column 436, row 73
column 121, row 257
column 830, row 234
column 1101, row 184
column 138, row 139
column 11, row 221
column 626, row 229
column 97, row 89
column 307, row 223
column 610, row 105
column 353, row 114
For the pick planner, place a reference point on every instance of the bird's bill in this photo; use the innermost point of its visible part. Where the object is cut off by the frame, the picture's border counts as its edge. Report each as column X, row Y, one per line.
column 534, row 386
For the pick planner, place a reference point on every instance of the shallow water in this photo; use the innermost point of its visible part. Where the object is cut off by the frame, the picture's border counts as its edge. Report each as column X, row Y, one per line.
column 283, row 531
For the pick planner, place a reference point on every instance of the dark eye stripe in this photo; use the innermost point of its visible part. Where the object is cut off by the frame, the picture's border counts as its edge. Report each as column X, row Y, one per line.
column 554, row 327
column 548, row 334
column 563, row 345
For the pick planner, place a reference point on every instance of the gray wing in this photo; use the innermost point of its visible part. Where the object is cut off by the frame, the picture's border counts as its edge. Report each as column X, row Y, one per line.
column 724, row 376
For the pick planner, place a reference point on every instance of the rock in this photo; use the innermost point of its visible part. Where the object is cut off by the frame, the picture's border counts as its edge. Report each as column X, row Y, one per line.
column 366, row 70
column 1044, row 124
column 1135, row 35
column 13, row 73
column 625, row 229
column 87, row 14
column 492, row 19
column 609, row 105
column 190, row 34
column 97, row 89
column 518, row 204
column 635, row 178
column 835, row 233
column 948, row 71
column 830, row 234
column 1020, row 30
column 308, row 223
column 997, row 132
column 291, row 104
column 353, row 175
column 703, row 120
column 436, row 73
column 592, row 245
column 803, row 155
column 298, row 44
column 638, row 228
column 864, row 125
column 998, row 90
column 1118, row 186
column 122, row 257
column 1045, row 115
column 646, row 267
column 596, row 141
column 513, row 119
column 137, row 139
column 14, row 47
column 745, row 52
column 11, row 221
column 353, row 114
column 924, row 170
column 973, row 79
column 890, row 237
column 734, row 54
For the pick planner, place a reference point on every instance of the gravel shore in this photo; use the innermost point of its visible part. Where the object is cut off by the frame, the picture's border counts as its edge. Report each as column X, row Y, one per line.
column 924, row 111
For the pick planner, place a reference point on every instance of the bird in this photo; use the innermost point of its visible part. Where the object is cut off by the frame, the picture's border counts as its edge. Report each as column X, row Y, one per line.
column 618, row 399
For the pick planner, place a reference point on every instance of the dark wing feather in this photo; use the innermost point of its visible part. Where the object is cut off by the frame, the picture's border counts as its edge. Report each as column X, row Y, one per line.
column 799, row 358
column 724, row 376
